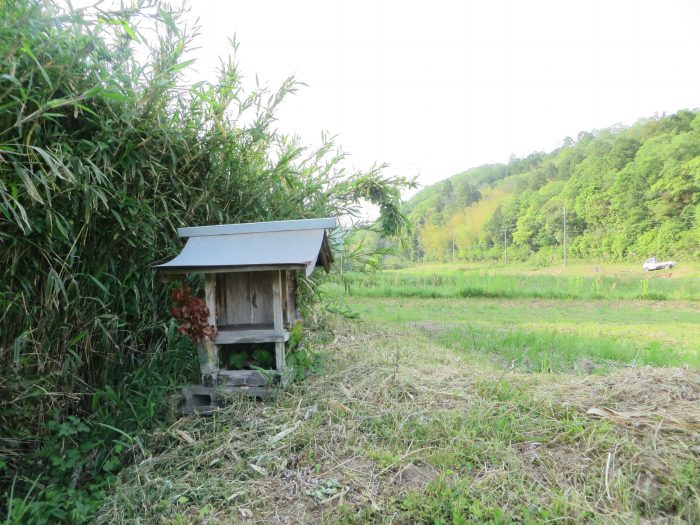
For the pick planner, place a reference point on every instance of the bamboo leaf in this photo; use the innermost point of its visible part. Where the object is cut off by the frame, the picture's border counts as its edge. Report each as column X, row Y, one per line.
column 58, row 102
column 129, row 30
column 86, row 109
column 168, row 19
column 77, row 338
column 115, row 95
column 93, row 91
column 58, row 169
column 181, row 66
column 29, row 185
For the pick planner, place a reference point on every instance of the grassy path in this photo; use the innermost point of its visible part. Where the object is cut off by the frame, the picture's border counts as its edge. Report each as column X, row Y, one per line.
column 401, row 428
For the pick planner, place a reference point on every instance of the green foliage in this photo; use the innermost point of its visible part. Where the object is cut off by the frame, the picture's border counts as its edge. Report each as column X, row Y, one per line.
column 104, row 152
column 237, row 360
column 300, row 358
column 629, row 193
column 263, row 358
column 251, row 356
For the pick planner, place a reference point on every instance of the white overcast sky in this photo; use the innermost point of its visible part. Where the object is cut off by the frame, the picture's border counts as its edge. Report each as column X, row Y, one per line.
column 436, row 87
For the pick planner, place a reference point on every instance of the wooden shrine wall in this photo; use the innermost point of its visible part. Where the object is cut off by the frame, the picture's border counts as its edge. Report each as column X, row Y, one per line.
column 244, row 298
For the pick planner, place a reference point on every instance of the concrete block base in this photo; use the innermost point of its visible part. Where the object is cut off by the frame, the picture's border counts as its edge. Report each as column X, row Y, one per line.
column 200, row 400
column 206, row 400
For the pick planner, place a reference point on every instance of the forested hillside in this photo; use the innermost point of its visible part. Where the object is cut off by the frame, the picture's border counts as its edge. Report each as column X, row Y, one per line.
column 626, row 193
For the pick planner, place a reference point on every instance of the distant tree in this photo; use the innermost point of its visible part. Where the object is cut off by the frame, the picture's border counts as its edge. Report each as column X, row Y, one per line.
column 447, row 189
column 468, row 194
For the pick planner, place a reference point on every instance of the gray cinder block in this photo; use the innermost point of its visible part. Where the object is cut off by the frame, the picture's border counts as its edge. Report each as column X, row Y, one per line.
column 200, row 400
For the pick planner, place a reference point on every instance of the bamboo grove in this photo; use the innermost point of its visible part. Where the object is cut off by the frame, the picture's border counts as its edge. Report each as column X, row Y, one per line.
column 104, row 151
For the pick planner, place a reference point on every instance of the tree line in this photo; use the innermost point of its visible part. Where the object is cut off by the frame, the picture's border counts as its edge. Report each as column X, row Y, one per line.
column 626, row 193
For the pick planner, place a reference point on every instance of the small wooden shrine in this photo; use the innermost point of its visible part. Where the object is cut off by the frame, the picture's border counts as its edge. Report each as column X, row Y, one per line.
column 250, row 275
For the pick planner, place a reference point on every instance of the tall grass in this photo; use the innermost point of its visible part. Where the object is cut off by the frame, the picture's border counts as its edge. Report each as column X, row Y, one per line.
column 462, row 284
column 104, row 152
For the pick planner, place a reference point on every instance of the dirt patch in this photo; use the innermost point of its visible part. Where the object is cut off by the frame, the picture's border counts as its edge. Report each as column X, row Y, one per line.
column 430, row 327
column 414, row 477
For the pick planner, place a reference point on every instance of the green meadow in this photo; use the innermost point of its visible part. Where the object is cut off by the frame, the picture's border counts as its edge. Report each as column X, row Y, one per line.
column 510, row 283
column 539, row 321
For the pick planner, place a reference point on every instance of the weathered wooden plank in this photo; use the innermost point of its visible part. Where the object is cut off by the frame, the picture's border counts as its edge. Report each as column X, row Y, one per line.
column 243, row 378
column 245, row 298
column 278, row 320
column 277, row 315
column 210, row 297
column 285, row 306
column 221, row 305
column 237, row 295
column 226, row 337
column 208, row 356
column 260, row 299
column 258, row 392
column 280, row 358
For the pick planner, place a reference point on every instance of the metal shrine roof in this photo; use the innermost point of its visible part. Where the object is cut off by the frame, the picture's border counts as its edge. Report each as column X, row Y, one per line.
column 254, row 246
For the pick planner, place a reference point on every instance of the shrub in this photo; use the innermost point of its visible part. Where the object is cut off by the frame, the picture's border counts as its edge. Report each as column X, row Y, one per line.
column 103, row 154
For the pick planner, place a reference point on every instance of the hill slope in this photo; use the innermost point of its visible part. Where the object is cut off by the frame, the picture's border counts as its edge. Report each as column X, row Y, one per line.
column 626, row 192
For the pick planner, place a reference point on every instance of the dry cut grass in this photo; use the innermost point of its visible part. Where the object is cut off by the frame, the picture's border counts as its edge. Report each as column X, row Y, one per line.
column 400, row 430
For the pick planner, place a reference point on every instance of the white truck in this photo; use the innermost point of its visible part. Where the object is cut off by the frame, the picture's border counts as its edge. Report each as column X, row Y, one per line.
column 652, row 264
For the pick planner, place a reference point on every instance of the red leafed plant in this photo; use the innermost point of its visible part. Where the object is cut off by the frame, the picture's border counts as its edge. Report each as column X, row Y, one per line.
column 192, row 314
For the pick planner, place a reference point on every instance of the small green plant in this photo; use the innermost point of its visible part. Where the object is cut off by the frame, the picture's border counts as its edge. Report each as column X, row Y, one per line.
column 263, row 357
column 300, row 359
column 597, row 287
column 237, row 360
column 255, row 357
column 643, row 288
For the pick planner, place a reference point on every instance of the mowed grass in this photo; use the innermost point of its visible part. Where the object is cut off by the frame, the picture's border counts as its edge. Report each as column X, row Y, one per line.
column 399, row 429
column 451, row 410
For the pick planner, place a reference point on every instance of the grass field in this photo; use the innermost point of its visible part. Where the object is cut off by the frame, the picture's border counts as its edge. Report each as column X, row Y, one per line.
column 547, row 335
column 454, row 410
column 576, row 282
column 553, row 320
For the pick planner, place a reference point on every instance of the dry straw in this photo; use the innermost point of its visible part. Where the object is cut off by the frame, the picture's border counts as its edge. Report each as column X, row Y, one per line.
column 389, row 427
